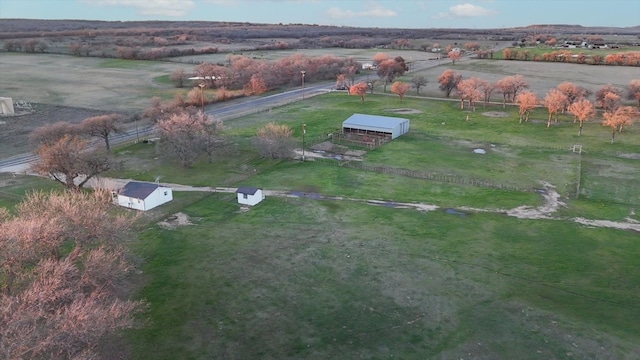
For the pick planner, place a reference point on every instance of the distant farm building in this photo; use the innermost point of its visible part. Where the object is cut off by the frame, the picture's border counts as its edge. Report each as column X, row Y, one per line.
column 248, row 195
column 373, row 130
column 6, row 106
column 143, row 196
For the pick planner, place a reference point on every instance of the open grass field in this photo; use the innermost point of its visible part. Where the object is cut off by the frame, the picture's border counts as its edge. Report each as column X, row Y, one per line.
column 308, row 278
column 315, row 279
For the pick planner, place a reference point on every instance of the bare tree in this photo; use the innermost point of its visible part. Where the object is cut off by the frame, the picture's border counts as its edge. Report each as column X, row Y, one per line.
column 71, row 162
column 63, row 305
column 185, row 133
column 274, row 141
column 418, row 81
column 177, row 77
column 102, row 126
column 51, row 133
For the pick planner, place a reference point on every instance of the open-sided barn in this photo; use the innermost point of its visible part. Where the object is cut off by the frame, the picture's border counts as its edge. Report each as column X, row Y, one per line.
column 386, row 127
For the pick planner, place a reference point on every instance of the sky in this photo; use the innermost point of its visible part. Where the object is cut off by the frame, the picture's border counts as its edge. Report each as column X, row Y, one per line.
column 472, row 14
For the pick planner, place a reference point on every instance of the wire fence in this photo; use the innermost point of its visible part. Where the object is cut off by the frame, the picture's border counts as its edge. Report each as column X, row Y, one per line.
column 451, row 179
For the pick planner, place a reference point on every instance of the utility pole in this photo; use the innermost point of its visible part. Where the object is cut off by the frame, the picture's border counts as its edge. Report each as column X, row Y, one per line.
column 302, row 72
column 304, row 131
column 202, row 85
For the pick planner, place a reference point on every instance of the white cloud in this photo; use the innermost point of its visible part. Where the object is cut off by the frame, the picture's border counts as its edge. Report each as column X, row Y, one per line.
column 173, row 8
column 465, row 10
column 371, row 10
column 470, row 10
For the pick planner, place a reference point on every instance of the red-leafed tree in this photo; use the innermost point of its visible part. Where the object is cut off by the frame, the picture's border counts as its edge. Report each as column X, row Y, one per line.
column 510, row 86
column 610, row 102
column 390, row 69
column 256, row 85
column 359, row 89
column 555, row 102
column 470, row 89
column 527, row 101
column 633, row 91
column 380, row 57
column 616, row 120
column 583, row 110
column 400, row 88
column 454, row 55
column 603, row 91
column 448, row 81
column 572, row 91
column 487, row 89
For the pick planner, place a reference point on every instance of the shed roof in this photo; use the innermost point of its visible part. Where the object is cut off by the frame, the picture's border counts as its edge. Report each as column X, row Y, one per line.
column 138, row 190
column 249, row 190
column 373, row 121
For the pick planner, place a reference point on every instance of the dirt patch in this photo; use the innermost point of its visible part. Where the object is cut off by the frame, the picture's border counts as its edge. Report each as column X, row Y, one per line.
column 405, row 111
column 495, row 114
column 175, row 220
column 634, row 156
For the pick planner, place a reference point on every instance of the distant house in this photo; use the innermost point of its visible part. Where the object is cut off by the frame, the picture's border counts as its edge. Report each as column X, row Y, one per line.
column 248, row 195
column 143, row 196
column 598, row 45
column 368, row 66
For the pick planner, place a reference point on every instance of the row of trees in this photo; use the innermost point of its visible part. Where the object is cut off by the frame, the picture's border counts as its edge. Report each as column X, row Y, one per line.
column 566, row 97
column 64, row 269
column 622, row 59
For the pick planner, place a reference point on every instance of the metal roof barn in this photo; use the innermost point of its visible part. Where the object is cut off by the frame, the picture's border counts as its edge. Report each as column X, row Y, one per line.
column 385, row 126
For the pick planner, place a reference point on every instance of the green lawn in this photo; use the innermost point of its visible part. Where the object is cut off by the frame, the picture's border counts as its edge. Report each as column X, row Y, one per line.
column 301, row 278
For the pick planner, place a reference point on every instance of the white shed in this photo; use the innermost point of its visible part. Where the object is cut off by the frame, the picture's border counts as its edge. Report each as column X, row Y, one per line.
column 143, row 196
column 248, row 195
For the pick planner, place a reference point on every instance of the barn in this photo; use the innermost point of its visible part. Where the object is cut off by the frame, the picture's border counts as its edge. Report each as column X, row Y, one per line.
column 385, row 127
column 143, row 196
column 248, row 195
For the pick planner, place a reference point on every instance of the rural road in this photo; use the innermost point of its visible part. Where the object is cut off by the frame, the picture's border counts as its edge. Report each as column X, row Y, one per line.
column 223, row 111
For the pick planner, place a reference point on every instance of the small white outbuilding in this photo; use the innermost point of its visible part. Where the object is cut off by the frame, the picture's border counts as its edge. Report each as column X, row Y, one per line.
column 6, row 106
column 143, row 196
column 248, row 195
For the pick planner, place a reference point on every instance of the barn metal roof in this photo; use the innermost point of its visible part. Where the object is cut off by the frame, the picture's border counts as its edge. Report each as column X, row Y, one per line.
column 373, row 121
column 138, row 190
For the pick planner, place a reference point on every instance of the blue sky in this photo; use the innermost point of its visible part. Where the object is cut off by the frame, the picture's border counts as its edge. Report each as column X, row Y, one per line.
column 474, row 14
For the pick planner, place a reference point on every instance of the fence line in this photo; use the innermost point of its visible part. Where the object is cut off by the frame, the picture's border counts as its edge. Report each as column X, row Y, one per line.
column 452, row 179
column 579, row 184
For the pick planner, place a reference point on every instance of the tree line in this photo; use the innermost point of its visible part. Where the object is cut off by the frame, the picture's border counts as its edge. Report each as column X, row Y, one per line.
column 567, row 97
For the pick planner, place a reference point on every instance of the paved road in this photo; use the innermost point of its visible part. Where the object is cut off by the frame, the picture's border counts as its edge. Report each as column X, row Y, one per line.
column 226, row 111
